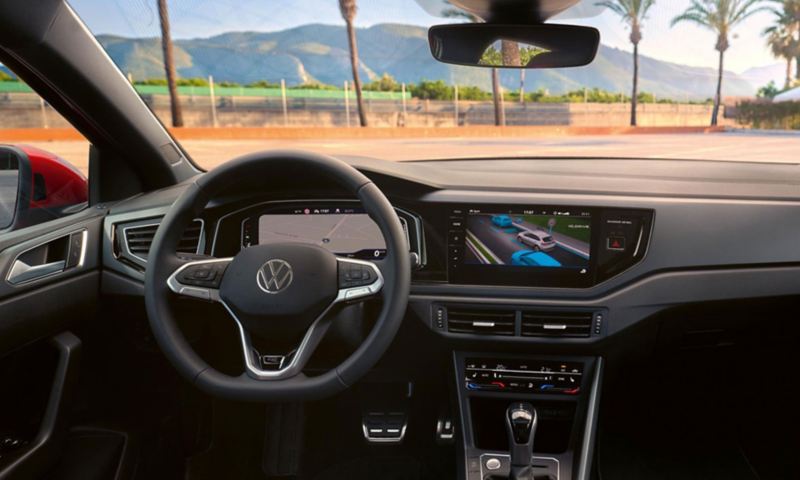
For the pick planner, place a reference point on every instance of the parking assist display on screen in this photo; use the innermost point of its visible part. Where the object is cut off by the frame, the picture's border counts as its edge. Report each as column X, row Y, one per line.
column 528, row 238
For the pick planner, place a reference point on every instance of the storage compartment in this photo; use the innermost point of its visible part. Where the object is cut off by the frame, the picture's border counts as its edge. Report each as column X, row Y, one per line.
column 555, row 420
column 27, row 377
column 38, row 382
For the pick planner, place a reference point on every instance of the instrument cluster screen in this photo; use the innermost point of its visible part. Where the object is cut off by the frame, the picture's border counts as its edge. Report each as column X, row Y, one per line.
column 346, row 231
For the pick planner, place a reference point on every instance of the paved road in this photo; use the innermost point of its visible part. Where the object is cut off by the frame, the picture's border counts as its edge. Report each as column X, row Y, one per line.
column 8, row 196
column 503, row 242
column 734, row 146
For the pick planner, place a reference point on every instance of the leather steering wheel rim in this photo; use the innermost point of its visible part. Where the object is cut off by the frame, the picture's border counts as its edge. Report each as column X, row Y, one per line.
column 163, row 262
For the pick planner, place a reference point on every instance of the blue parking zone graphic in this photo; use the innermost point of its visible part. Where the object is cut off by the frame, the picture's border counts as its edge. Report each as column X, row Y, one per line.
column 505, row 247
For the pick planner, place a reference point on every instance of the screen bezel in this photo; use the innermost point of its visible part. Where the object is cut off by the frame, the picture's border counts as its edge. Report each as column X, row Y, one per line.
column 460, row 272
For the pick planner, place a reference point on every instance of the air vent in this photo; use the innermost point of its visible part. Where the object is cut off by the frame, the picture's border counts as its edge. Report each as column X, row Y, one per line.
column 481, row 321
column 556, row 323
column 190, row 240
column 138, row 239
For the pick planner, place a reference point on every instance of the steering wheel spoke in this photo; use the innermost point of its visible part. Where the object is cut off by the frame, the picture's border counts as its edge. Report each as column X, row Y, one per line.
column 281, row 366
column 359, row 280
column 199, row 279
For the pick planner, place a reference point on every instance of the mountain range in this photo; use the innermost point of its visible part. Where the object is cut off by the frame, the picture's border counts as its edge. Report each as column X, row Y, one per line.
column 319, row 53
column 761, row 76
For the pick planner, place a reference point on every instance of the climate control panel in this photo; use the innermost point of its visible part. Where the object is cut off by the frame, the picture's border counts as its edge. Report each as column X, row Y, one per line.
column 523, row 376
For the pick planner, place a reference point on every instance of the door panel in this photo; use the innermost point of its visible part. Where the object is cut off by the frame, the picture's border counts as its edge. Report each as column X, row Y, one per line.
column 49, row 284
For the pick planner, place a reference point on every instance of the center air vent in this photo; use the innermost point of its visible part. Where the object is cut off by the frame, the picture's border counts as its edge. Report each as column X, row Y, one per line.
column 556, row 323
column 138, row 239
column 481, row 321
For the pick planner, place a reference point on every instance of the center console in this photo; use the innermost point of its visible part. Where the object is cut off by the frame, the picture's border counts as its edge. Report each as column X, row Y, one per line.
column 527, row 417
column 523, row 416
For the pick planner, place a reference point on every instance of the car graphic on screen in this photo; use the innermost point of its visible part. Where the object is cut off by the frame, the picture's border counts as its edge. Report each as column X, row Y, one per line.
column 502, row 221
column 530, row 258
column 538, row 240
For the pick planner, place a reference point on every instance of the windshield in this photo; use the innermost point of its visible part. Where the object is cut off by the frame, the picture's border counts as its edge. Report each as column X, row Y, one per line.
column 250, row 75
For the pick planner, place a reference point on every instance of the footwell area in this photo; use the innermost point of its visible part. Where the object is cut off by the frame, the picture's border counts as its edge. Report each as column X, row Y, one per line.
column 336, row 448
column 385, row 468
column 251, row 441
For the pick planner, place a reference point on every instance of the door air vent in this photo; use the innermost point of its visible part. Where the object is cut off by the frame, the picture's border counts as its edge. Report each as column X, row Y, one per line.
column 138, row 239
column 481, row 321
column 556, row 323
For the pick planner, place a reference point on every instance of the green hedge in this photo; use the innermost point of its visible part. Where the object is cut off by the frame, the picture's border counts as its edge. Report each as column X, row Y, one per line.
column 783, row 115
column 223, row 91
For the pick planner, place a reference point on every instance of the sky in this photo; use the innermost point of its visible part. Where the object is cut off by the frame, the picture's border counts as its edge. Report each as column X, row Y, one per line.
column 684, row 44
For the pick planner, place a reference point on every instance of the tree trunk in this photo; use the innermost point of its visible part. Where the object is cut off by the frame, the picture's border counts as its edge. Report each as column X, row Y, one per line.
column 169, row 64
column 788, row 82
column 718, row 96
column 522, row 86
column 351, row 38
column 499, row 112
column 635, row 93
column 797, row 68
column 510, row 52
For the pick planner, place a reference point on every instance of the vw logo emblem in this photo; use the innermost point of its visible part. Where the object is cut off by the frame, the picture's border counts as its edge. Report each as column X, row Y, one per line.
column 274, row 276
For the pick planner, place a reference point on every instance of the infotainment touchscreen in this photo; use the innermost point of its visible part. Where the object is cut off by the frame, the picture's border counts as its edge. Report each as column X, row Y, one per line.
column 522, row 245
column 542, row 246
column 558, row 239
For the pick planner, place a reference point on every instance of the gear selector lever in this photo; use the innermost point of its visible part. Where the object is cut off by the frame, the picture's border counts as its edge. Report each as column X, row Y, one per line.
column 521, row 420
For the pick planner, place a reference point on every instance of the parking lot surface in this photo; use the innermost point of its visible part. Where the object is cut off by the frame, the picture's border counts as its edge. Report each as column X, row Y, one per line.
column 730, row 146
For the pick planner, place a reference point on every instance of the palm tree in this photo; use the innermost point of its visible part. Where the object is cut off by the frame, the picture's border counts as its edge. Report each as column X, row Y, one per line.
column 634, row 13
column 719, row 16
column 499, row 108
column 169, row 64
column 783, row 37
column 348, row 9
column 499, row 111
column 782, row 45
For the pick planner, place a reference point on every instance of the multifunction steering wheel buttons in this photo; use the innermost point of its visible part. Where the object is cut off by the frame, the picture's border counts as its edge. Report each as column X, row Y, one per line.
column 206, row 275
column 355, row 275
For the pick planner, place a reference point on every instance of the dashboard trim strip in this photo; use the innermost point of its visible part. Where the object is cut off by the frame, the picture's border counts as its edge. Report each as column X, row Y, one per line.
column 590, row 427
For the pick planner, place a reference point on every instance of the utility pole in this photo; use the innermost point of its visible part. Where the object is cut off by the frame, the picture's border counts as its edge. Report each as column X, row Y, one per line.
column 283, row 100
column 43, row 109
column 347, row 103
column 455, row 104
column 213, row 99
column 403, row 92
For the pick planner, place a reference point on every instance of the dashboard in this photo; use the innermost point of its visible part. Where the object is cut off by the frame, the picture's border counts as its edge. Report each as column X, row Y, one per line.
column 579, row 249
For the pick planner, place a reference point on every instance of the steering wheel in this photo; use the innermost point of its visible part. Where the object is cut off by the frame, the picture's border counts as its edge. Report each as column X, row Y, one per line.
column 284, row 291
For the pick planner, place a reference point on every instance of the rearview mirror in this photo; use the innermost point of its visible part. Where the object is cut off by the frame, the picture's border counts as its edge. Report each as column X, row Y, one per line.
column 514, row 46
column 37, row 186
